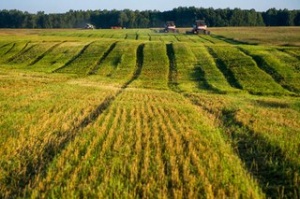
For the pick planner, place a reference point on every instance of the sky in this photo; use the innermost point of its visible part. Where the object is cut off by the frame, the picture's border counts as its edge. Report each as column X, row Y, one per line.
column 62, row 6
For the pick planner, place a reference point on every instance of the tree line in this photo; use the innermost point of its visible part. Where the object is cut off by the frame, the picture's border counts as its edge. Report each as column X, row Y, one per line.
column 182, row 16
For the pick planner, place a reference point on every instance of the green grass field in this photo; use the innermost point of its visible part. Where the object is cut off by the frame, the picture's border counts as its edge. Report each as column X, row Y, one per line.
column 141, row 114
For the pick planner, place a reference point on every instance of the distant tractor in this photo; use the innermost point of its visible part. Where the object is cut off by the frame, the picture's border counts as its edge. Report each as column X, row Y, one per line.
column 199, row 28
column 170, row 27
column 89, row 26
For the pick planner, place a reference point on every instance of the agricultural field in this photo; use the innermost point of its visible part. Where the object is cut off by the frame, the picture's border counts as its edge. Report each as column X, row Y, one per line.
column 142, row 114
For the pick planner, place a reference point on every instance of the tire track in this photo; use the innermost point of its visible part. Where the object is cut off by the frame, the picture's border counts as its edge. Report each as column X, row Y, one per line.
column 173, row 73
column 74, row 58
column 45, row 53
column 24, row 50
column 5, row 45
column 139, row 65
column 96, row 67
column 231, row 79
column 136, row 36
column 14, row 44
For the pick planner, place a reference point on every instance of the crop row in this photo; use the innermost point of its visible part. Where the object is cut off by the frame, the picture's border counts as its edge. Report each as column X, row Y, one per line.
column 141, row 147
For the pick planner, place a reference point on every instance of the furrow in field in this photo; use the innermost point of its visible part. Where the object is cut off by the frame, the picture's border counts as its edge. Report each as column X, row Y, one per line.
column 74, row 58
column 172, row 67
column 281, row 66
column 14, row 49
column 32, row 53
column 231, row 79
column 145, row 183
column 45, row 53
column 192, row 68
column 11, row 47
column 88, row 61
column 207, row 40
column 139, row 148
column 5, row 48
column 138, row 66
column 207, row 72
column 94, row 69
column 190, row 76
column 20, row 52
column 120, row 64
column 108, row 158
column 58, row 57
column 2, row 45
column 143, row 37
column 204, row 40
column 95, row 163
column 245, row 71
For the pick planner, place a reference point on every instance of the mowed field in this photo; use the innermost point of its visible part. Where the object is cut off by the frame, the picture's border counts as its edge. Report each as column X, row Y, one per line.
column 141, row 114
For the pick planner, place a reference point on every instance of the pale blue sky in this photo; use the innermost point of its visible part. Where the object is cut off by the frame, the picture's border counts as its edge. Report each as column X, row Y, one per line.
column 60, row 6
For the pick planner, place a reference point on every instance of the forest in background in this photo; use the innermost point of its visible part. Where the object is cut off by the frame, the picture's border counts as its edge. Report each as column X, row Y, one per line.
column 183, row 17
